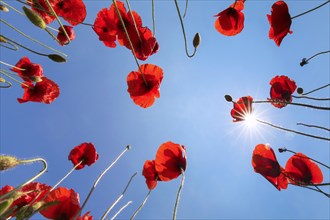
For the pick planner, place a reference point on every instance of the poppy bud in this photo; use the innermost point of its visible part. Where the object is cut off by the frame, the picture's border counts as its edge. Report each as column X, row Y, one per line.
column 4, row 8
column 2, row 39
column 35, row 18
column 128, row 147
column 5, row 205
column 2, row 80
column 27, row 211
column 303, row 62
column 197, row 40
column 7, row 162
column 300, row 91
column 228, row 98
column 281, row 150
column 56, row 58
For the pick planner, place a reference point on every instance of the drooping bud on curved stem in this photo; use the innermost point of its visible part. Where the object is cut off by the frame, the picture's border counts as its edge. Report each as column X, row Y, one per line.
column 8, row 84
column 196, row 40
column 304, row 61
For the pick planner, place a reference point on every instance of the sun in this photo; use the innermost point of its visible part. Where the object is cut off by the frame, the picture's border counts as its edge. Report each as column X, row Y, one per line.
column 250, row 120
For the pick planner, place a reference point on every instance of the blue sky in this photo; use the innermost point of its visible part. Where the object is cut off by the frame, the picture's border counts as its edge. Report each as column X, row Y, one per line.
column 94, row 106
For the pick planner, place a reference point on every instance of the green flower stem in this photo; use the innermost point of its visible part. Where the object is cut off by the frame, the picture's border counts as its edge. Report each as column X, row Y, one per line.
column 314, row 126
column 291, row 151
column 34, row 40
column 314, row 90
column 59, row 182
column 99, row 178
column 2, row 80
column 30, row 180
column 315, row 55
column 141, row 206
column 51, row 34
column 12, row 46
column 311, row 98
column 183, row 31
column 119, row 198
column 153, row 17
column 310, row 10
column 185, row 9
column 7, row 64
column 293, row 103
column 59, row 21
column 121, row 209
column 129, row 40
column 178, row 195
column 15, row 80
column 293, row 131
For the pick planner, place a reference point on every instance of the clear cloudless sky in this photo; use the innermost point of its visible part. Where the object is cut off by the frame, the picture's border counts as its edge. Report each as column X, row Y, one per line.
column 94, row 106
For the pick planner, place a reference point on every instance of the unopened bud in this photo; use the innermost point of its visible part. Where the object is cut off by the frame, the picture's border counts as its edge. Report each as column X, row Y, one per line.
column 300, row 91
column 2, row 80
column 228, row 98
column 128, row 147
column 56, row 58
column 303, row 62
column 35, row 18
column 281, row 150
column 3, row 8
column 197, row 40
column 3, row 39
column 5, row 205
column 7, row 162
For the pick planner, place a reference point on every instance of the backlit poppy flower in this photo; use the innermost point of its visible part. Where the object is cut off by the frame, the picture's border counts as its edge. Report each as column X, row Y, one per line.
column 84, row 152
column 301, row 170
column 43, row 10
column 170, row 159
column 143, row 91
column 67, row 206
column 45, row 91
column 149, row 172
column 73, row 11
column 280, row 22
column 105, row 27
column 265, row 163
column 31, row 72
column 242, row 108
column 282, row 88
column 28, row 195
column 231, row 21
column 62, row 37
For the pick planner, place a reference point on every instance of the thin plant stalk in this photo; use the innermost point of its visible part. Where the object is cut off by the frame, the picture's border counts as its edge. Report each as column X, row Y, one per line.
column 12, row 46
column 99, row 178
column 121, row 209
column 310, row 10
column 178, row 195
column 44, row 162
column 15, row 67
column 293, row 131
column 185, row 9
column 141, row 206
column 15, row 80
column 311, row 98
column 183, row 31
column 314, row 90
column 153, row 17
column 119, row 198
column 314, row 126
column 129, row 40
column 305, row 61
column 34, row 40
column 296, row 104
column 2, row 80
column 9, row 6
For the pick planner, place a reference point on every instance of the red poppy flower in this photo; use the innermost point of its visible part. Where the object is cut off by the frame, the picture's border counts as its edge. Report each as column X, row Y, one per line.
column 282, row 88
column 28, row 195
column 67, row 206
column 42, row 9
column 62, row 37
column 280, row 22
column 231, row 21
column 105, row 27
column 242, row 108
column 45, row 91
column 301, row 170
column 149, row 172
column 73, row 11
column 32, row 72
column 143, row 42
column 85, row 152
column 170, row 159
column 264, row 162
column 144, row 94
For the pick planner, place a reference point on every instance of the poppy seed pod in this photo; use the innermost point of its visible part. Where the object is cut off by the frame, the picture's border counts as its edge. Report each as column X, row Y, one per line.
column 35, row 18
column 7, row 162
column 300, row 90
column 228, row 98
column 197, row 40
